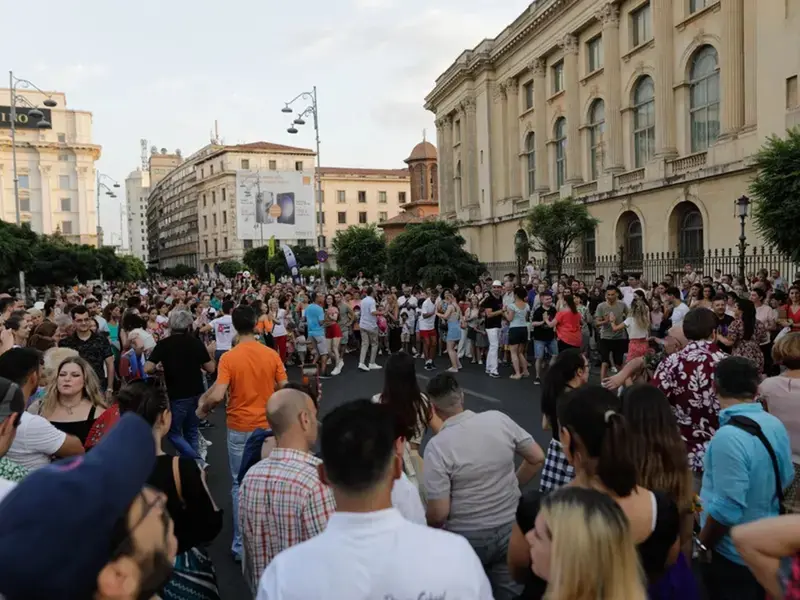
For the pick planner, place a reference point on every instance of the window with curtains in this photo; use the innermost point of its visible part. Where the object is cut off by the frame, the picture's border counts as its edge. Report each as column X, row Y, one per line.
column 530, row 149
column 560, row 141
column 704, row 98
column 597, row 125
column 644, row 121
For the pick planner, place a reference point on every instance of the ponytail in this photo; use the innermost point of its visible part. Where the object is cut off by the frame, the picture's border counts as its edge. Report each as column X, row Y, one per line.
column 143, row 398
column 615, row 466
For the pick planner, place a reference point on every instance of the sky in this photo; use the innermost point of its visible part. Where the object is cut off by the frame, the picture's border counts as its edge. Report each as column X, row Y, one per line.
column 164, row 71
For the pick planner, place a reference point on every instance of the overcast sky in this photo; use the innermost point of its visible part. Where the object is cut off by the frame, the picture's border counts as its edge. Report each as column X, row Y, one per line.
column 165, row 70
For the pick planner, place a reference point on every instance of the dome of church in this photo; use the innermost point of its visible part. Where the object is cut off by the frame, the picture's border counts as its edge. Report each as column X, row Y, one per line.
column 423, row 151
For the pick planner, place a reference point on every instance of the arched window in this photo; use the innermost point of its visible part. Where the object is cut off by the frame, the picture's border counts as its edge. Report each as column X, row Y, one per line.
column 704, row 98
column 589, row 249
column 644, row 121
column 434, row 183
column 690, row 240
column 422, row 182
column 530, row 149
column 597, row 126
column 633, row 239
column 457, row 178
column 560, row 140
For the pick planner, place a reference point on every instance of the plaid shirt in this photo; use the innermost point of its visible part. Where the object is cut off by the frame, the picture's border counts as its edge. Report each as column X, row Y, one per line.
column 282, row 502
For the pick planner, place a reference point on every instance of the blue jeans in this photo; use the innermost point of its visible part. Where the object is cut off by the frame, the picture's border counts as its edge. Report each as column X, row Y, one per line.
column 237, row 440
column 491, row 546
column 183, row 433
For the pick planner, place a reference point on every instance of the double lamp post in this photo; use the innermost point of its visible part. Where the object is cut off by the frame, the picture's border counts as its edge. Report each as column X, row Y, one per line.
column 311, row 110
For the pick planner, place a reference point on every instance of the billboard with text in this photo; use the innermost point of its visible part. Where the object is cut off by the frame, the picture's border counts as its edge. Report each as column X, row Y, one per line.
column 274, row 203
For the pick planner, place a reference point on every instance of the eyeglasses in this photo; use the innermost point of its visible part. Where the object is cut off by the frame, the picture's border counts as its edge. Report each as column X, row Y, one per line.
column 125, row 546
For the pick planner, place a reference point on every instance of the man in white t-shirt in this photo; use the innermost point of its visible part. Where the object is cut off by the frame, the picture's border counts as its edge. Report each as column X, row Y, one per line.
column 427, row 329
column 629, row 291
column 223, row 330
column 368, row 324
column 94, row 311
column 368, row 550
column 36, row 439
column 679, row 308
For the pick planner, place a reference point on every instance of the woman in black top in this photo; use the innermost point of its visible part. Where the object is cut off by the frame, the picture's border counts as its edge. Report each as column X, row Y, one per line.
column 197, row 519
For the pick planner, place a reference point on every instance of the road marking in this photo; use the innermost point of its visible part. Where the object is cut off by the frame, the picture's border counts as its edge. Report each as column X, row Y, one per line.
column 468, row 391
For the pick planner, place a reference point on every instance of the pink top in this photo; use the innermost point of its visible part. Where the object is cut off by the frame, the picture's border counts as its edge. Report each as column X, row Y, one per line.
column 782, row 396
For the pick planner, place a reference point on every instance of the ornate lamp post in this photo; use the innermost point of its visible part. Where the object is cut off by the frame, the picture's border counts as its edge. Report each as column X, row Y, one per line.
column 742, row 206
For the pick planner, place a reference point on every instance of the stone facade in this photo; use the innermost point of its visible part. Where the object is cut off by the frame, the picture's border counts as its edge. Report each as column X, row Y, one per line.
column 646, row 110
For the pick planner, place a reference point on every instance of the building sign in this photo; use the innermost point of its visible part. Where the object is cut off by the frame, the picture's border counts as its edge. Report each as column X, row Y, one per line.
column 23, row 120
column 274, row 203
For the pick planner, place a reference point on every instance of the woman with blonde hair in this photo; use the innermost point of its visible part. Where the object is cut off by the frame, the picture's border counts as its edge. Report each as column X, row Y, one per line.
column 73, row 400
column 582, row 546
column 50, row 362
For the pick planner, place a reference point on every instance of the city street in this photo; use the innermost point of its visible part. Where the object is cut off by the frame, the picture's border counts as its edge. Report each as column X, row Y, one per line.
column 518, row 399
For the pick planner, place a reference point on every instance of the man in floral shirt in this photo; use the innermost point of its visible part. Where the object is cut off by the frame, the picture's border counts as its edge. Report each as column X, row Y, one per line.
column 687, row 379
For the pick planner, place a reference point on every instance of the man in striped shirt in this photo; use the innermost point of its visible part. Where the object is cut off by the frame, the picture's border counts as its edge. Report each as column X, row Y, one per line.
column 282, row 501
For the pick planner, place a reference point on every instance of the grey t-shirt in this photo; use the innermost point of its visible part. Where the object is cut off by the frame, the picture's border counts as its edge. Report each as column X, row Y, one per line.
column 620, row 312
column 345, row 314
column 471, row 461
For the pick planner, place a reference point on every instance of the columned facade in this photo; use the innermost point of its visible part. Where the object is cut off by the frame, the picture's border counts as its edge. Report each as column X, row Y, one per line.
column 609, row 17
column 663, row 25
column 732, row 66
column 539, row 70
column 512, row 120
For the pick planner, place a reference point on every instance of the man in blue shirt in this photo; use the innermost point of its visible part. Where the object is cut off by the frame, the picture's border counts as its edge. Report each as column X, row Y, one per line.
column 315, row 318
column 739, row 479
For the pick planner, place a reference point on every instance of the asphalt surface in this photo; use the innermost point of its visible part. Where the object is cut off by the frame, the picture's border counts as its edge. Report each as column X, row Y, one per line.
column 518, row 399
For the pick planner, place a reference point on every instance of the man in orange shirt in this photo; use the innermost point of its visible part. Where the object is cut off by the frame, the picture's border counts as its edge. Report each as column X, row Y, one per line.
column 251, row 372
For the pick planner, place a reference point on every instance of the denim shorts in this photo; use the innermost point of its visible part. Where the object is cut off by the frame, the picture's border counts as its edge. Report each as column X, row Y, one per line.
column 539, row 348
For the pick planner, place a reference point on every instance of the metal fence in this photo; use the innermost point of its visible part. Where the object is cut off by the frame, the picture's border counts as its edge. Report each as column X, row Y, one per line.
column 654, row 266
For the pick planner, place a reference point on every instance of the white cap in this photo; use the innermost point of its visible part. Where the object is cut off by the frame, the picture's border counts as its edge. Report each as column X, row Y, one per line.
column 496, row 283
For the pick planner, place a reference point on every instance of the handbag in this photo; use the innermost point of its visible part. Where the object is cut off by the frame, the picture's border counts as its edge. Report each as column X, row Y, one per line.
column 193, row 575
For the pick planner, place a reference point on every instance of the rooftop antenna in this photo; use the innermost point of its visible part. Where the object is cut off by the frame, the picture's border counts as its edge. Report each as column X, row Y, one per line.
column 143, row 144
column 424, row 135
column 215, row 134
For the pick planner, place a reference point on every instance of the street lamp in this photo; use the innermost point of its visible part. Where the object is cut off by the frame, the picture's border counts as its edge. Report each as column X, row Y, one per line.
column 41, row 123
column 110, row 193
column 742, row 206
column 311, row 110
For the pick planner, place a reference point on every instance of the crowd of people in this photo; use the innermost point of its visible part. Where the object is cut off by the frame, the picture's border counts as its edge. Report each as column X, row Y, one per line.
column 668, row 476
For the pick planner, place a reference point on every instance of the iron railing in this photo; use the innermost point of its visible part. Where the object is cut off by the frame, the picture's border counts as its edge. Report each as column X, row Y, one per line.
column 653, row 266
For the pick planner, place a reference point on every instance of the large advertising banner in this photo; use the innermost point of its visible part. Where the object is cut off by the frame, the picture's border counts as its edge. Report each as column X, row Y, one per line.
column 276, row 204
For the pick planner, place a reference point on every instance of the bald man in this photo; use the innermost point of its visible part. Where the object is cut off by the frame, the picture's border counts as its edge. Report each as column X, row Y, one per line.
column 282, row 501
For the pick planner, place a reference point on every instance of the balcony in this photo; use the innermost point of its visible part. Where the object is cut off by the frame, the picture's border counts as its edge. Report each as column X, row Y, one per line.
column 630, row 178
column 551, row 197
column 587, row 189
column 693, row 162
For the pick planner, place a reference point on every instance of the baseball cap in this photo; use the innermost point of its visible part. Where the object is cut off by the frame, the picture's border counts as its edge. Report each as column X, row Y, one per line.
column 496, row 283
column 56, row 526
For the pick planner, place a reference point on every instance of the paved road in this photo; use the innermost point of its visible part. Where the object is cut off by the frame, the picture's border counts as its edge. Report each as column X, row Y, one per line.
column 518, row 399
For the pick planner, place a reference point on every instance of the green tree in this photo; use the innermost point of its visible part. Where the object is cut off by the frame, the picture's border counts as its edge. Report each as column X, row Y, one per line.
column 776, row 192
column 306, row 255
column 60, row 263
column 17, row 246
column 135, row 269
column 431, row 253
column 111, row 265
column 360, row 248
column 230, row 268
column 179, row 271
column 554, row 228
column 255, row 260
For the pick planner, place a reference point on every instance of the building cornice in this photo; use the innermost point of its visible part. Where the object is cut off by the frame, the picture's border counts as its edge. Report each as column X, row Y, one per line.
column 488, row 53
column 55, row 147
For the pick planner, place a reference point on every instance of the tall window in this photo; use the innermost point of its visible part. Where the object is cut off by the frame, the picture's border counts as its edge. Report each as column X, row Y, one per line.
column 421, row 181
column 644, row 121
column 362, row 197
column 594, row 54
column 24, row 182
column 558, row 77
column 362, row 218
column 457, row 178
column 382, row 216
column 690, row 240
column 641, row 25
column 597, row 126
column 340, row 197
column 560, row 139
column 528, row 89
column 246, row 164
column 704, row 104
column 63, row 182
column 341, row 218
column 273, row 165
column 401, row 197
column 530, row 149
column 457, row 131
column 382, row 197
column 589, row 248
column 66, row 227
column 66, row 205
column 633, row 239
column 298, row 165
column 695, row 5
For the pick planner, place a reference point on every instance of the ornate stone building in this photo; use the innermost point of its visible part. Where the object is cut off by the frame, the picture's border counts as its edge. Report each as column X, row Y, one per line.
column 646, row 110
column 424, row 171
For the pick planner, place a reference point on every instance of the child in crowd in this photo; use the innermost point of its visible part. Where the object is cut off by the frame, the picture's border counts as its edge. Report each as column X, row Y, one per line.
column 405, row 334
column 301, row 347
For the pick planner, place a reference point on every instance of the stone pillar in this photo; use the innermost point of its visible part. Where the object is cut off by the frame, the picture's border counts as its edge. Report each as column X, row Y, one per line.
column 463, row 158
column 609, row 16
column 732, row 66
column 48, row 227
column 664, row 26
column 539, row 69
column 86, row 204
column 751, row 67
column 572, row 84
column 449, row 163
column 504, row 170
column 470, row 111
column 441, row 144
column 513, row 143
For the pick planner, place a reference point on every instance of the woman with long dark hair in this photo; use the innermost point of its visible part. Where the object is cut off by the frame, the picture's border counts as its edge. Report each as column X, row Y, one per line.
column 411, row 409
column 745, row 333
column 568, row 325
column 662, row 465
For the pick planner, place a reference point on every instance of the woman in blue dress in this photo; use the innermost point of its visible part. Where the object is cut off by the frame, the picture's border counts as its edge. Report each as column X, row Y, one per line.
column 450, row 313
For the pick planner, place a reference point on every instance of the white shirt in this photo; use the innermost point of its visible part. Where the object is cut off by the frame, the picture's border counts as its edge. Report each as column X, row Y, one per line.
column 279, row 329
column 102, row 325
column 406, row 499
column 634, row 331
column 363, row 556
column 428, row 308
column 628, row 293
column 368, row 321
column 678, row 314
column 5, row 487
column 223, row 332
column 36, row 441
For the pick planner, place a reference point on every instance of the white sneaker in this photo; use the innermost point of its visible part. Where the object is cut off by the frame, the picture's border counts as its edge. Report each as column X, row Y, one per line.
column 374, row 367
column 337, row 370
column 363, row 367
column 340, row 365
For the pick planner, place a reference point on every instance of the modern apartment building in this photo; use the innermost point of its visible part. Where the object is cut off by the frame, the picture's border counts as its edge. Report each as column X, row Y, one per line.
column 137, row 189
column 647, row 111
column 55, row 168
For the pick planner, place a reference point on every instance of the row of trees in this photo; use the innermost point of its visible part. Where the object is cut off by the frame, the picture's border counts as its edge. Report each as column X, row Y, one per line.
column 51, row 259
